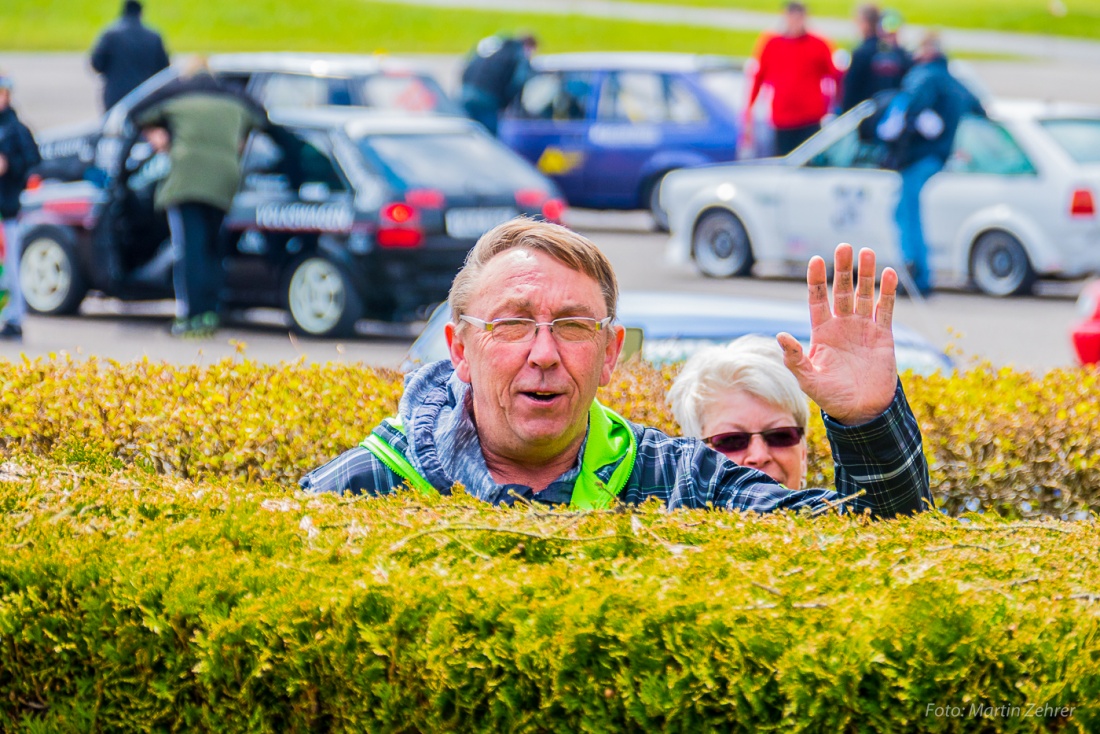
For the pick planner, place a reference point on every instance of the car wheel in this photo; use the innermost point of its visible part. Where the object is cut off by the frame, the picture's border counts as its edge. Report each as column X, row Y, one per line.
column 49, row 272
column 653, row 203
column 999, row 265
column 321, row 300
column 721, row 245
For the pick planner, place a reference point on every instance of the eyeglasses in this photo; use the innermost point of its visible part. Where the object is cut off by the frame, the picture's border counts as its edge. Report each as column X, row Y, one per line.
column 777, row 438
column 567, row 329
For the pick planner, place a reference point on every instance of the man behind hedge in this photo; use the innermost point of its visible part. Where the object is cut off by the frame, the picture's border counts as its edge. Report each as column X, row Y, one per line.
column 533, row 336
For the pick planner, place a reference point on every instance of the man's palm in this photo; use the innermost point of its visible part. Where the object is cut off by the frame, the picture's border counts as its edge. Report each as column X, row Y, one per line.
column 850, row 370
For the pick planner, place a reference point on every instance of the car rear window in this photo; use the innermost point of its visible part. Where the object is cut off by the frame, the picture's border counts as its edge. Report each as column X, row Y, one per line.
column 460, row 161
column 405, row 92
column 1080, row 138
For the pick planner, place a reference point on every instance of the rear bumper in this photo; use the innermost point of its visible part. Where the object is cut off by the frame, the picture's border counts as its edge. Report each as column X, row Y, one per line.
column 404, row 283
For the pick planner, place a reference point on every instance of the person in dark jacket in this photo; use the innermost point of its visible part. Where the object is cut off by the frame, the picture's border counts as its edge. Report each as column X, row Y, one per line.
column 857, row 85
column 494, row 75
column 934, row 104
column 18, row 155
column 126, row 54
column 202, row 125
column 879, row 63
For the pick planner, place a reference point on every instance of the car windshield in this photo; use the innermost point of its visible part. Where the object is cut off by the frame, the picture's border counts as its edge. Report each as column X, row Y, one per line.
column 457, row 161
column 405, row 92
column 1080, row 138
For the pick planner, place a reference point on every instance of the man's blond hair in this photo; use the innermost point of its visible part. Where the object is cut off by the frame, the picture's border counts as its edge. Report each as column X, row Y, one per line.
column 560, row 243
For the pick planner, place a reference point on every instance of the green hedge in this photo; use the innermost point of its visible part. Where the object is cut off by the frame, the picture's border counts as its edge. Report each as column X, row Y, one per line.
column 996, row 439
column 136, row 601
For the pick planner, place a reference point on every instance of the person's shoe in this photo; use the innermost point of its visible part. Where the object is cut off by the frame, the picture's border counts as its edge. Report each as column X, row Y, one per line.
column 11, row 332
column 197, row 327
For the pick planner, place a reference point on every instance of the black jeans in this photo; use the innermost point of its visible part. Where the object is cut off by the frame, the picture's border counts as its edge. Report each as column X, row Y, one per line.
column 789, row 139
column 197, row 271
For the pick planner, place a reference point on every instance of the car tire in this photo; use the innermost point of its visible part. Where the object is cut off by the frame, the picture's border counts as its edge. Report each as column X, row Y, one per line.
column 999, row 265
column 652, row 201
column 720, row 245
column 50, row 274
column 321, row 299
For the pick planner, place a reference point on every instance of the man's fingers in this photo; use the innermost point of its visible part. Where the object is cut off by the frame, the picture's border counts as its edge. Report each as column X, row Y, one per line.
column 842, row 280
column 888, row 289
column 817, row 282
column 865, row 292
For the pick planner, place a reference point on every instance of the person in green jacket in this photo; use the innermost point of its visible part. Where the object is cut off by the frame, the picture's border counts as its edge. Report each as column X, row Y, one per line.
column 202, row 125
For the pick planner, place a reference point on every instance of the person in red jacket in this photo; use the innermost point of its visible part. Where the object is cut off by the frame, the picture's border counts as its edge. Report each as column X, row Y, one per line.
column 798, row 66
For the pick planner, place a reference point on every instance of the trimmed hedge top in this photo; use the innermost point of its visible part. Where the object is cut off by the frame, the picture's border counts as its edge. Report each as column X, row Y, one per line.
column 995, row 439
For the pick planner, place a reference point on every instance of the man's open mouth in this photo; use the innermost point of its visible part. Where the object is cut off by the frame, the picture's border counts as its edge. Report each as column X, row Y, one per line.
column 541, row 397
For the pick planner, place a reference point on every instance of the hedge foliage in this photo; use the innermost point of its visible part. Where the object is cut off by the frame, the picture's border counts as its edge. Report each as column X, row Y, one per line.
column 996, row 439
column 136, row 601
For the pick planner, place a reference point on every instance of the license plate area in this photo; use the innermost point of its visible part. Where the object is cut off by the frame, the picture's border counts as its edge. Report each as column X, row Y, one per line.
column 472, row 222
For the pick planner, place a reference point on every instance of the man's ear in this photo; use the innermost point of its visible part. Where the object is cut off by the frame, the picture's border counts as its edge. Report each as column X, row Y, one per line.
column 457, row 348
column 611, row 354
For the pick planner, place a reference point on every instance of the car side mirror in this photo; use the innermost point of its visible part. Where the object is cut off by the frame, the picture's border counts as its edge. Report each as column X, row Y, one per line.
column 314, row 191
column 632, row 343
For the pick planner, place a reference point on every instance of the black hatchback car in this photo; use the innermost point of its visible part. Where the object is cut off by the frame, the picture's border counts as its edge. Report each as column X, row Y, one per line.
column 342, row 214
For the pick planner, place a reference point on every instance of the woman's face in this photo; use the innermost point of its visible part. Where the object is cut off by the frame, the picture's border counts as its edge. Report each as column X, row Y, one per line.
column 738, row 411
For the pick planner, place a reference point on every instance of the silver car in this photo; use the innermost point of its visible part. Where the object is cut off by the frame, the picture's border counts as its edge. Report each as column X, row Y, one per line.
column 1017, row 201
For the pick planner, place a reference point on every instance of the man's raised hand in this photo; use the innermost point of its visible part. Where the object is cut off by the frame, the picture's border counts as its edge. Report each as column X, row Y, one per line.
column 850, row 370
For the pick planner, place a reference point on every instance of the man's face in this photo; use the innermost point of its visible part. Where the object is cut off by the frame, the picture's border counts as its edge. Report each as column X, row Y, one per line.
column 795, row 21
column 531, row 399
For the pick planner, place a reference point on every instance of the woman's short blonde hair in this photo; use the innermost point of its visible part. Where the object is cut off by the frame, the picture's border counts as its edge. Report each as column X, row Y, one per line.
column 753, row 364
column 560, row 243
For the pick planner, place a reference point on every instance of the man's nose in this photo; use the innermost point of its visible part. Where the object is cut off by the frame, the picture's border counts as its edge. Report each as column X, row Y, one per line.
column 544, row 348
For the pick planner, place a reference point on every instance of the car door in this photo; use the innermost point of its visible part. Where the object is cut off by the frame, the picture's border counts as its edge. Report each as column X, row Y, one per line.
column 840, row 194
column 988, row 170
column 291, row 193
column 548, row 125
column 632, row 115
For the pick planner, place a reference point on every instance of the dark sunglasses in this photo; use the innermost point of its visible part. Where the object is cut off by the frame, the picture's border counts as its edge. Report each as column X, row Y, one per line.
column 777, row 438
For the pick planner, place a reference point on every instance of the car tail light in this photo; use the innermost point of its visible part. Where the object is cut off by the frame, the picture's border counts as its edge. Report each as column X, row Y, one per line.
column 553, row 210
column 70, row 209
column 400, row 226
column 425, row 198
column 531, row 198
column 1082, row 204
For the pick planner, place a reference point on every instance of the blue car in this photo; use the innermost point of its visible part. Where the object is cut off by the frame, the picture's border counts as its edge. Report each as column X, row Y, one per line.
column 670, row 327
column 607, row 127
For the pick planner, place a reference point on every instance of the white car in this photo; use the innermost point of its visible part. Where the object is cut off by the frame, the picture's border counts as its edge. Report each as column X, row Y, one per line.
column 1016, row 201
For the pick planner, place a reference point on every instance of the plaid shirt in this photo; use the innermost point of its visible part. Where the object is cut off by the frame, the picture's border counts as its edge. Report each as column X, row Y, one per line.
column 883, row 457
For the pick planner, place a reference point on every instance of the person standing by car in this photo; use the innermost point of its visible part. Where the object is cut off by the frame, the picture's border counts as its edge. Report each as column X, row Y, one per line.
column 927, row 112
column 494, row 75
column 18, row 155
column 798, row 66
column 880, row 62
column 891, row 61
column 126, row 54
column 202, row 125
column 858, row 81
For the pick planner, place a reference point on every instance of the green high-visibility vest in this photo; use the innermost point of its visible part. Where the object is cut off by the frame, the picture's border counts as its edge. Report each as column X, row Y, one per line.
column 610, row 439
